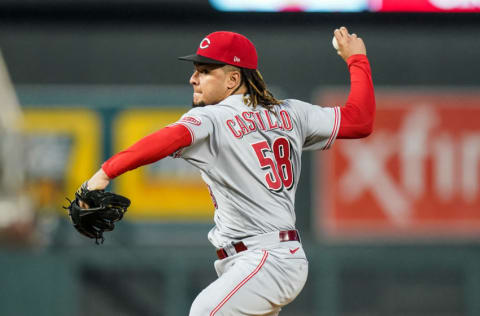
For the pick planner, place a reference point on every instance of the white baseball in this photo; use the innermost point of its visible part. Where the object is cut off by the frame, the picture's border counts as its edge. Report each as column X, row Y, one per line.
column 335, row 43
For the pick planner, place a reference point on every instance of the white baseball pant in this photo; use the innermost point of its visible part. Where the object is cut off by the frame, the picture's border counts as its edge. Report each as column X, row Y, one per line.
column 258, row 281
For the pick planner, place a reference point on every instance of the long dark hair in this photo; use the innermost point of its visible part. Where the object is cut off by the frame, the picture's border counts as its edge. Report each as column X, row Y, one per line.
column 257, row 91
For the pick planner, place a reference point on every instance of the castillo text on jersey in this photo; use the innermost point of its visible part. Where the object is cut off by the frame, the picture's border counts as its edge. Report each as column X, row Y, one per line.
column 247, row 122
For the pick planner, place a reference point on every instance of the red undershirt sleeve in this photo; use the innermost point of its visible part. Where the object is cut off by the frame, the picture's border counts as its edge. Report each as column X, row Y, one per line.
column 149, row 149
column 358, row 114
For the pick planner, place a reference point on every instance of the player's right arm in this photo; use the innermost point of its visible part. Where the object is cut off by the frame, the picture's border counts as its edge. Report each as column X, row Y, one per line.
column 322, row 125
column 358, row 114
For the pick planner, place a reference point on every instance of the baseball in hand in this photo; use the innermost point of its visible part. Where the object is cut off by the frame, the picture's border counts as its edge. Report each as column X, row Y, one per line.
column 335, row 43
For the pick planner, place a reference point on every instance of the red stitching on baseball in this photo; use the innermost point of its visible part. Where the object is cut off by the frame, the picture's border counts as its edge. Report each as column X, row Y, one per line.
column 265, row 255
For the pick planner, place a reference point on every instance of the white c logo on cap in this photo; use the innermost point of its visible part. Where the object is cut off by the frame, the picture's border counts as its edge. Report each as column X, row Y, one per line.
column 204, row 43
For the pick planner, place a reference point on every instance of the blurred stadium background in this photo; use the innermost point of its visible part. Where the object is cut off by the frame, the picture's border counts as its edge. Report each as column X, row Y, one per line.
column 390, row 223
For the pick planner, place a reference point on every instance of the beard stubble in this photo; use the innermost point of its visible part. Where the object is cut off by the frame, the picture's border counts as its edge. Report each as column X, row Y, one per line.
column 198, row 104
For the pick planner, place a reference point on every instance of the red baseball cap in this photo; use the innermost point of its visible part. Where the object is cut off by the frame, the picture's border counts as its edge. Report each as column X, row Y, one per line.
column 224, row 47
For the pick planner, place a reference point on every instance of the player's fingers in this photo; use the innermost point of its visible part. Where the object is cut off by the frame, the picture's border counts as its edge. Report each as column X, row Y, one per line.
column 83, row 204
column 344, row 31
column 354, row 35
column 337, row 34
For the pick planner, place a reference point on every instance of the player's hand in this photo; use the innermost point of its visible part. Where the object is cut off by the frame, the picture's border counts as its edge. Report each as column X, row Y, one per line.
column 348, row 44
column 99, row 181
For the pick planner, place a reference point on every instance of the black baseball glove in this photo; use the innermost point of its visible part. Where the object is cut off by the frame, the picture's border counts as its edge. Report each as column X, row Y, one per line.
column 104, row 209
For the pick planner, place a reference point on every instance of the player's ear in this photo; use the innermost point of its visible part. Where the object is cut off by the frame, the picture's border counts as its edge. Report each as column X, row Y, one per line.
column 234, row 79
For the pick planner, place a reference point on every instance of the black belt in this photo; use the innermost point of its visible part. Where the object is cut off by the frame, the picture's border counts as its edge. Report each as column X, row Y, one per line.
column 284, row 235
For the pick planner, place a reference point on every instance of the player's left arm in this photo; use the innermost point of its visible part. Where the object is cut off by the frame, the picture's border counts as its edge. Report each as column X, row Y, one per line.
column 147, row 150
column 358, row 114
column 193, row 127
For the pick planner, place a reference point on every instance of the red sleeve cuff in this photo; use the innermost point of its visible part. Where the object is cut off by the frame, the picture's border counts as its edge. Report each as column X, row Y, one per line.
column 357, row 57
column 107, row 171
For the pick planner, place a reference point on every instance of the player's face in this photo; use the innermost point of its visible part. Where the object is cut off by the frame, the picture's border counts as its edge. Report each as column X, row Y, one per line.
column 210, row 83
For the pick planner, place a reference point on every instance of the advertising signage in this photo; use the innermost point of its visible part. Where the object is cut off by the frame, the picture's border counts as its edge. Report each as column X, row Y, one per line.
column 416, row 175
column 348, row 5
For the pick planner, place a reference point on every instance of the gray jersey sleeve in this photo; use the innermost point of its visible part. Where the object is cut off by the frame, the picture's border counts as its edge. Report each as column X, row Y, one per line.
column 319, row 124
column 203, row 149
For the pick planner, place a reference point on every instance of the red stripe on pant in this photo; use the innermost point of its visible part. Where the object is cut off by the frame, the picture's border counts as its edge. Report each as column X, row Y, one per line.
column 264, row 258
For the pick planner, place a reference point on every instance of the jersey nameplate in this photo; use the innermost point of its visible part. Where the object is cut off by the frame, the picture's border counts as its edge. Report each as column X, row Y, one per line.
column 264, row 120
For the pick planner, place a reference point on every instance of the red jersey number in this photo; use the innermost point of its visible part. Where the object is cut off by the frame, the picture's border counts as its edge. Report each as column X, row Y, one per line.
column 280, row 171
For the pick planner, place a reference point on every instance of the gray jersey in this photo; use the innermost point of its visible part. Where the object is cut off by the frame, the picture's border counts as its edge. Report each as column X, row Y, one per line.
column 251, row 160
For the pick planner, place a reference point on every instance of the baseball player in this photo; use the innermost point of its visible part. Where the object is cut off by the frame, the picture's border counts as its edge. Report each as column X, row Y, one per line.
column 248, row 146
